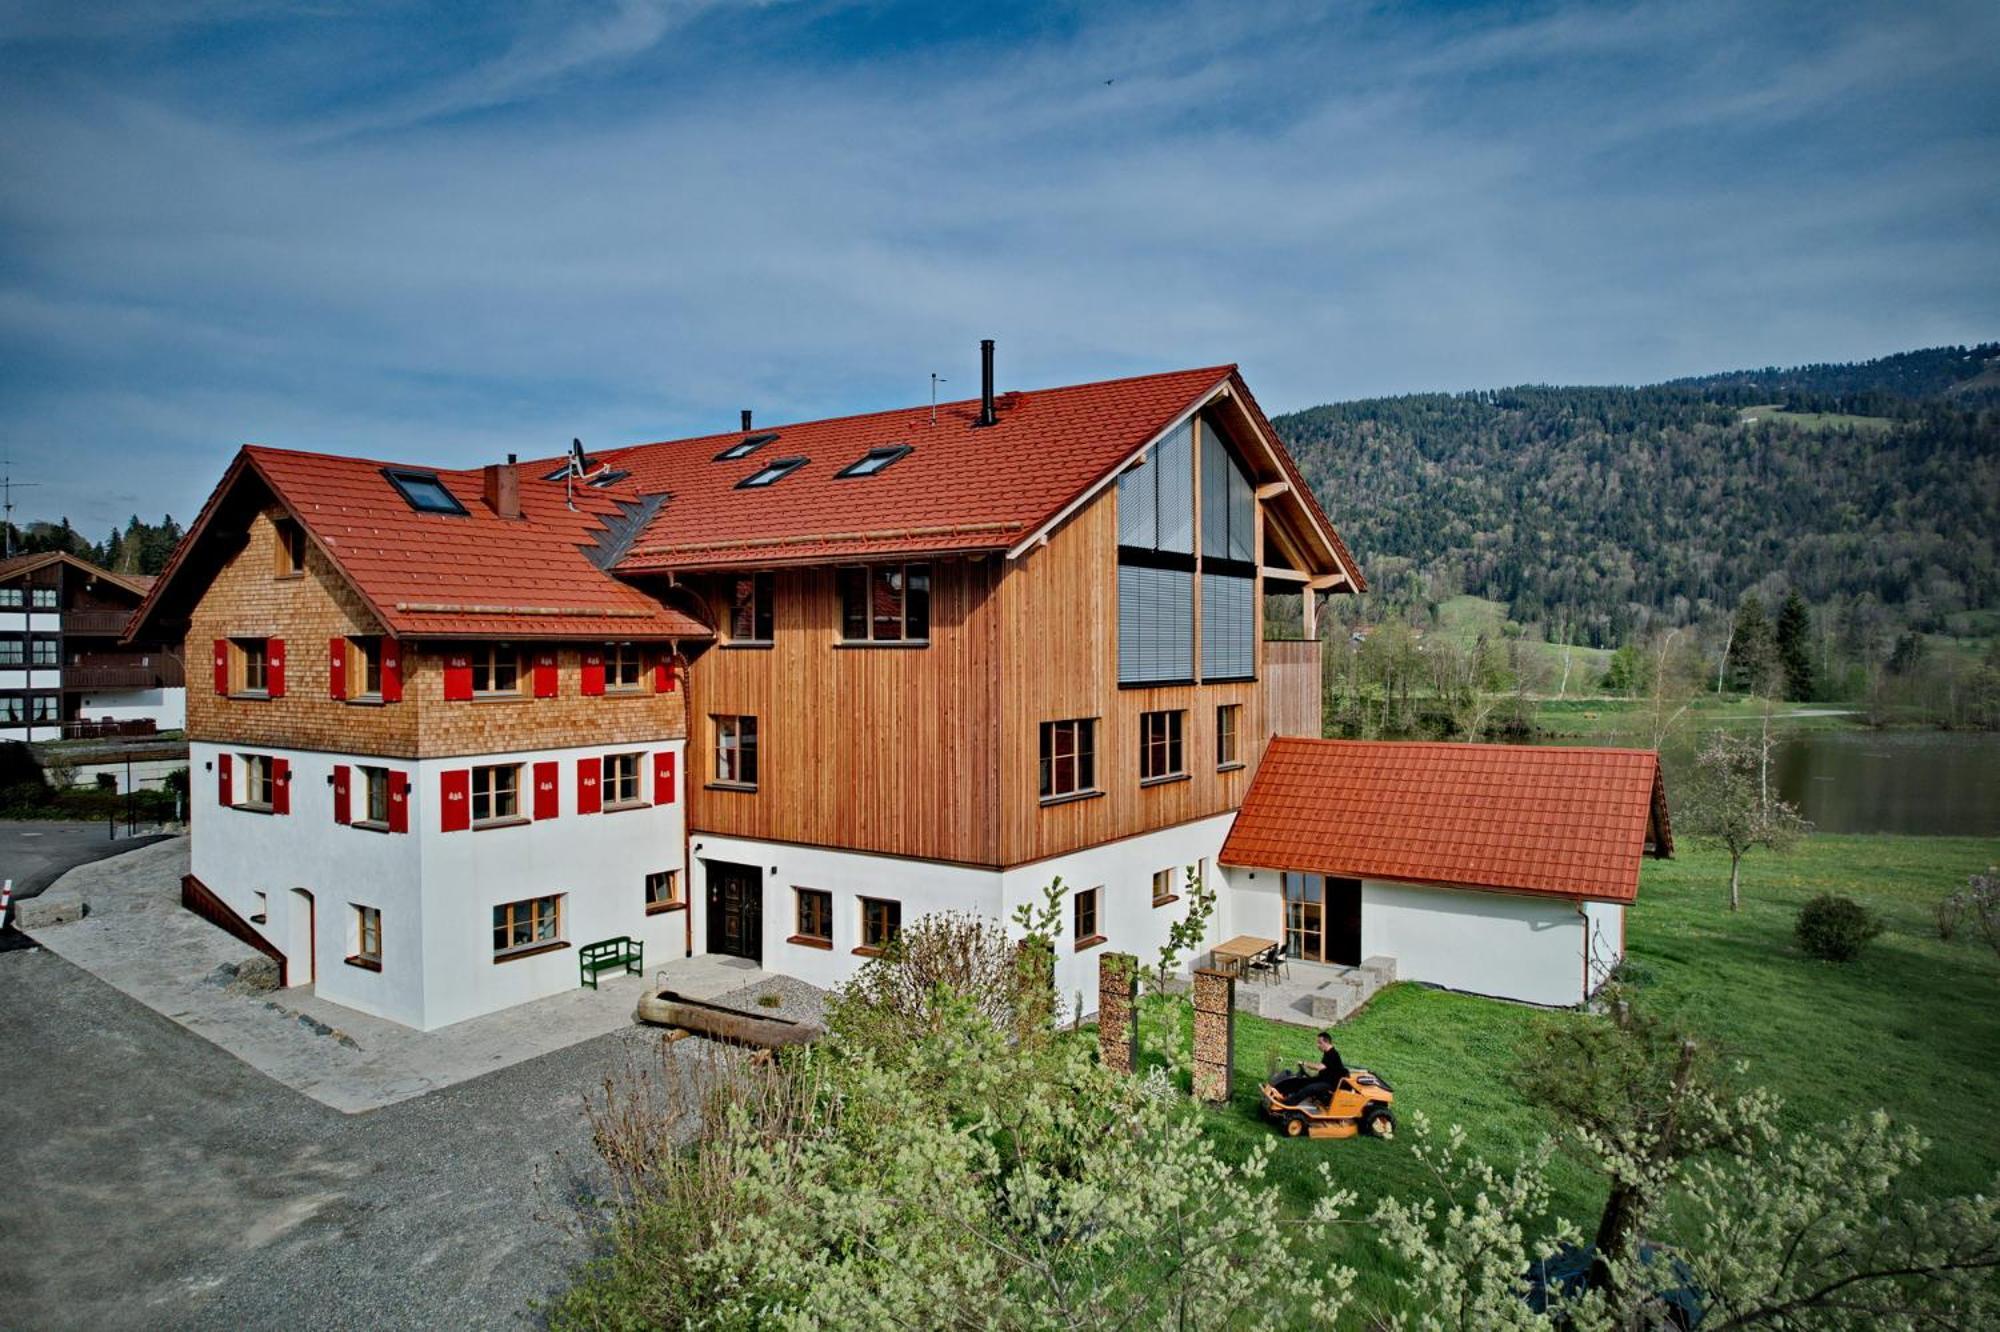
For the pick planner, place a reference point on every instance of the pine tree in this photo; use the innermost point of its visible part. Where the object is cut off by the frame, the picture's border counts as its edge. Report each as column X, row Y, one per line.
column 1753, row 652
column 1794, row 647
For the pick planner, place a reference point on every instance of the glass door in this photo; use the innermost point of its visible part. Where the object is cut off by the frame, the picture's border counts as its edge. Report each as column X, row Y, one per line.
column 1305, row 916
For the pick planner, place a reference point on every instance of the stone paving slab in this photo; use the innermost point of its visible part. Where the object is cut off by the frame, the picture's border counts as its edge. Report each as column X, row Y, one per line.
column 138, row 938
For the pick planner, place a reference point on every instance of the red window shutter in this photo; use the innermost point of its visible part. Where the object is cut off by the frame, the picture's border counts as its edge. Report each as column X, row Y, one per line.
column 392, row 671
column 399, row 802
column 222, row 666
column 455, row 795
column 663, row 676
column 663, row 778
column 457, row 676
column 593, row 672
column 589, row 796
column 225, row 780
column 336, row 669
column 281, row 786
column 274, row 656
column 676, row 667
column 545, row 675
column 342, row 794
column 548, row 799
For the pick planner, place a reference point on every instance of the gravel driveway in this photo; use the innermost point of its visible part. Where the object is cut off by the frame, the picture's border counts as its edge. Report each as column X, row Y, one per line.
column 153, row 1181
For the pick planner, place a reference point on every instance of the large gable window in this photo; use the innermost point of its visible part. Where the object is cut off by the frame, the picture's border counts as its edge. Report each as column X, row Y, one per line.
column 1164, row 571
column 1156, row 564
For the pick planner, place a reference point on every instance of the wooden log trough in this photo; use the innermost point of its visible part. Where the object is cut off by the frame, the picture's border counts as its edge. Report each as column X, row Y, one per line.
column 667, row 1009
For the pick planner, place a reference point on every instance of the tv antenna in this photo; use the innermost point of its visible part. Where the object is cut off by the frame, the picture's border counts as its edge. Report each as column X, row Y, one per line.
column 7, row 484
column 936, row 379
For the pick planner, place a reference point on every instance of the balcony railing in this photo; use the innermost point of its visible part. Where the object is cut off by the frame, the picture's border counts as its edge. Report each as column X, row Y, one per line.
column 96, row 623
column 120, row 675
column 104, row 730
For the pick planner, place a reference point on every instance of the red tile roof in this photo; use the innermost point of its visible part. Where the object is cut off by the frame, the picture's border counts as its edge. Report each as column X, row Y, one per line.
column 1569, row 822
column 961, row 488
column 441, row 576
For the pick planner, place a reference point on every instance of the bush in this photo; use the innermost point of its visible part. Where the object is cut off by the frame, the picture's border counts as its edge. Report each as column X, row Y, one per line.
column 1834, row 928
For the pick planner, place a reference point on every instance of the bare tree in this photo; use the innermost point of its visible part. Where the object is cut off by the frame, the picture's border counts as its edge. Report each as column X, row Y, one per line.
column 1729, row 801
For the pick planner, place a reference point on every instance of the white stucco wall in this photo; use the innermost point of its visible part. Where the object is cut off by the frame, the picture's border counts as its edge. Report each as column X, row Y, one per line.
column 1507, row 945
column 1607, row 939
column 166, row 707
column 1123, row 869
column 436, row 890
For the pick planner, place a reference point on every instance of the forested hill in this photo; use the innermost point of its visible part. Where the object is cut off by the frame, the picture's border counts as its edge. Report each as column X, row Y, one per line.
column 1599, row 511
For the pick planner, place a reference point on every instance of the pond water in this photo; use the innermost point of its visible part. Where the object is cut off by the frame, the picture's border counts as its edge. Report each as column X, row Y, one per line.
column 1929, row 783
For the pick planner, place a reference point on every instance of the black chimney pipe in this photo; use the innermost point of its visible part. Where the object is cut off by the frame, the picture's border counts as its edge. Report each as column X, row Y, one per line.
column 746, row 420
column 986, row 416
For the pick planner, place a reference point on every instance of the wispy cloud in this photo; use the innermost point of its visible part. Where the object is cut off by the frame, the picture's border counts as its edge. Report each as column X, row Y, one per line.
column 453, row 237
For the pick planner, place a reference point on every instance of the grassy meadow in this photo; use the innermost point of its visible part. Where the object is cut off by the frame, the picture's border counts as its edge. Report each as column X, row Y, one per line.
column 1913, row 1026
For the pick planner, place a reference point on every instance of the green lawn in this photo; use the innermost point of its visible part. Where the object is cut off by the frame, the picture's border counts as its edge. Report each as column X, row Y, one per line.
column 1914, row 1026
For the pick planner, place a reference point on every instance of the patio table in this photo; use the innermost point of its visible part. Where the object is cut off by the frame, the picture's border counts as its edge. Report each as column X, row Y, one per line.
column 1237, row 954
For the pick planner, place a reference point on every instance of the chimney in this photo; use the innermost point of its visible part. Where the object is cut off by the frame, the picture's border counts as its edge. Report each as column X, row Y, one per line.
column 503, row 488
column 986, row 416
column 746, row 420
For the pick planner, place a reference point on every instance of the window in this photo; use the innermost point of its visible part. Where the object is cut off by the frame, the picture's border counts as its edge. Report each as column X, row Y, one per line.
column 663, row 891
column 874, row 460
column 1228, row 501
column 621, row 780
column 1163, row 887
column 423, row 491
column 46, row 652
column 885, row 603
column 45, row 598
column 1069, row 758
column 496, row 670
column 10, row 598
column 48, row 708
column 622, row 668
column 771, row 473
column 746, row 446
column 815, row 922
column 520, row 927
column 1228, row 720
column 881, row 922
column 290, row 555
column 1155, row 624
column 750, row 602
column 260, row 911
column 255, row 654
column 13, row 708
column 1305, row 915
column 736, row 751
column 375, row 796
column 1089, row 923
column 496, row 793
column 367, row 938
column 1228, row 626
column 364, row 667
column 1160, row 746
column 10, row 652
column 254, row 789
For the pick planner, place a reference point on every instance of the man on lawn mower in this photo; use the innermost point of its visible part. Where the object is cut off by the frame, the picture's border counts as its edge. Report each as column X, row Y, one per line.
column 1331, row 1070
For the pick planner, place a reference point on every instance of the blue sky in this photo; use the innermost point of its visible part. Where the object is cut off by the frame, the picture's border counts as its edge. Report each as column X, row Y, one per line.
column 443, row 233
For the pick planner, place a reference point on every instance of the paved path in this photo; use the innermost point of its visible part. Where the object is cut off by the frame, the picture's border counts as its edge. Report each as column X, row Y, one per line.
column 138, row 938
column 150, row 1180
column 34, row 855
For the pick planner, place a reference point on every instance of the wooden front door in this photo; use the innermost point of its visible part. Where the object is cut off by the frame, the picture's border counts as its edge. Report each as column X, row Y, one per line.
column 1322, row 918
column 735, row 910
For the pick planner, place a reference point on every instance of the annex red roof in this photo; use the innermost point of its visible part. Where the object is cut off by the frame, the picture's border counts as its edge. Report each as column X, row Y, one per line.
column 1568, row 822
column 961, row 488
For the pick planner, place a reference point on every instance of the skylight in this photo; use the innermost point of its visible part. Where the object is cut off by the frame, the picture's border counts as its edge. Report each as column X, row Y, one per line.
column 874, row 460
column 610, row 476
column 772, row 472
column 423, row 491
column 746, row 446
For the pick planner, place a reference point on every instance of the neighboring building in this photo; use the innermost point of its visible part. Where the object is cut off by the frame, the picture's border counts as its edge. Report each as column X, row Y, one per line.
column 62, row 658
column 1502, row 870
column 768, row 693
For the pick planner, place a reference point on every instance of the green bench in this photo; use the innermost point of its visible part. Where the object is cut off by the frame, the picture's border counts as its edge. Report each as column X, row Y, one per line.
column 606, row 954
